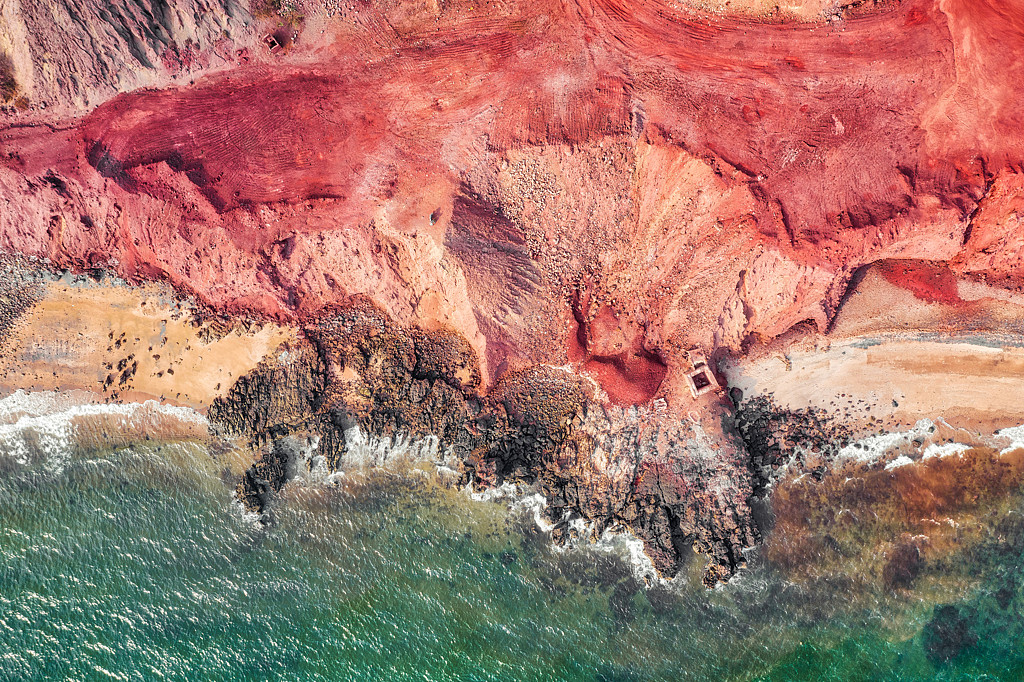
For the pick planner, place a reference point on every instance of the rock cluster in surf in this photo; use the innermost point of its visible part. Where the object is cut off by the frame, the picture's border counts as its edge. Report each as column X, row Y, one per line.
column 598, row 468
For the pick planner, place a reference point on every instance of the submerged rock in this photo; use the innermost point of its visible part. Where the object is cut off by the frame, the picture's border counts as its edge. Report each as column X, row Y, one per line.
column 904, row 565
column 947, row 635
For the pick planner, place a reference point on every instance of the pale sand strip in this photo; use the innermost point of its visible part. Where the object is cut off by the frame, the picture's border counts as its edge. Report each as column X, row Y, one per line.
column 78, row 336
column 903, row 358
column 895, row 380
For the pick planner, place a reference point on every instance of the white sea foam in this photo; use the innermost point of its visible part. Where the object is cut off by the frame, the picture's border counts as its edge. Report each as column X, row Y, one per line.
column 364, row 451
column 536, row 504
column 249, row 517
column 1013, row 438
column 505, row 490
column 927, row 440
column 518, row 499
column 32, row 438
column 22, row 403
column 618, row 541
column 884, row 445
column 622, row 543
column 367, row 452
column 44, row 427
column 944, row 450
column 900, row 461
column 305, row 463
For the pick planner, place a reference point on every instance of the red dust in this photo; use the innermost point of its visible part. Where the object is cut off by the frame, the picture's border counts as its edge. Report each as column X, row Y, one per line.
column 930, row 282
column 612, row 351
column 630, row 378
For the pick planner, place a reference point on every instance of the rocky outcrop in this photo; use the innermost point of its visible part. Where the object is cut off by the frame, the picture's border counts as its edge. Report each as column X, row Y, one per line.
column 18, row 291
column 355, row 368
column 780, row 441
column 68, row 57
column 675, row 487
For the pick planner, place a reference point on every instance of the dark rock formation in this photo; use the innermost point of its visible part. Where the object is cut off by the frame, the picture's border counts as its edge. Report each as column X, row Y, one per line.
column 776, row 437
column 599, row 469
column 18, row 291
column 277, row 397
column 947, row 635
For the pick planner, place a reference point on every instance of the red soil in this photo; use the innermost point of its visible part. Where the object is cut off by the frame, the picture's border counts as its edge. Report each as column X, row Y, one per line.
column 612, row 351
column 930, row 282
column 834, row 145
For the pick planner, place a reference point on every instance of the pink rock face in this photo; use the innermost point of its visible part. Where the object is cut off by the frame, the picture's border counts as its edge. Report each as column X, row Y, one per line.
column 994, row 249
column 713, row 178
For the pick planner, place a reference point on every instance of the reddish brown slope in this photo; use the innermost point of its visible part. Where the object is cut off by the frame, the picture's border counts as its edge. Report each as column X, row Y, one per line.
column 470, row 171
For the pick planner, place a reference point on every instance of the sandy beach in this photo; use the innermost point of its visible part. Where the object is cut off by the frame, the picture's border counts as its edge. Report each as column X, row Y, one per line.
column 129, row 344
column 892, row 359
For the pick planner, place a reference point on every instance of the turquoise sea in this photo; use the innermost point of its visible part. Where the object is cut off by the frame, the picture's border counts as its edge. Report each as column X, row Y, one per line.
column 130, row 562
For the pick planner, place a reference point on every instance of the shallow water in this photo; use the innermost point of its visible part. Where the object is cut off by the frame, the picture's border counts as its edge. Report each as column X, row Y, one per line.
column 133, row 563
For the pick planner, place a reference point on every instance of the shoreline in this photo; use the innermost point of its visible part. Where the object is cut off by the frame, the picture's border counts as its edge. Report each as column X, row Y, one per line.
column 892, row 357
column 882, row 381
column 886, row 383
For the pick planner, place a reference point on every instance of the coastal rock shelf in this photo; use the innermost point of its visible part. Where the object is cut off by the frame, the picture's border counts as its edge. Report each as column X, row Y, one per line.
column 672, row 485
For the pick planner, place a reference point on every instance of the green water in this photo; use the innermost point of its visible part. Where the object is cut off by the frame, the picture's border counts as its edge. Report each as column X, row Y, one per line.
column 135, row 565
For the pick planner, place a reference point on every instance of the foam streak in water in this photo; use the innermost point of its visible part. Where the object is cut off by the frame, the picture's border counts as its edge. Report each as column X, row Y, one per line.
column 46, row 428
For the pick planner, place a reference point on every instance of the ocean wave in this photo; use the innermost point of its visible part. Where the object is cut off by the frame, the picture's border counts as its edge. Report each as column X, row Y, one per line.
column 890, row 446
column 46, row 429
column 582, row 535
column 401, row 454
column 366, row 451
column 927, row 439
column 1011, row 438
column 623, row 544
column 365, row 454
